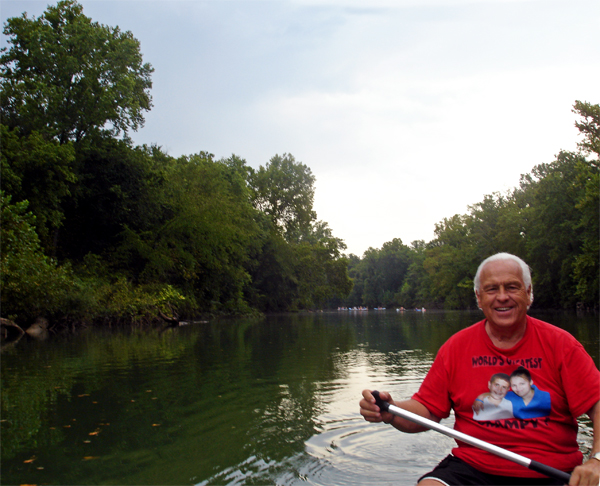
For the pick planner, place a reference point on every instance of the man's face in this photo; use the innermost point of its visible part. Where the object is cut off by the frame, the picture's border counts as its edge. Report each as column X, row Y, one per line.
column 502, row 294
column 499, row 388
column 520, row 385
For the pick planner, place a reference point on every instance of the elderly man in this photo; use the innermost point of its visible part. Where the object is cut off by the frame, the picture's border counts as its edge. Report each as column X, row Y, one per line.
column 505, row 340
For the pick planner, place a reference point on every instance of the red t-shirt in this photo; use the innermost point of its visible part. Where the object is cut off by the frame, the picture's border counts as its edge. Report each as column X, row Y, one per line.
column 559, row 365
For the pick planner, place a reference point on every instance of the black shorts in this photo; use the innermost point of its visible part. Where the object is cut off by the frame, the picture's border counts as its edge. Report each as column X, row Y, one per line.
column 456, row 472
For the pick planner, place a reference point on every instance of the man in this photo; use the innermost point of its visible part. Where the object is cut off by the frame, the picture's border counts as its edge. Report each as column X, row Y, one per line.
column 506, row 338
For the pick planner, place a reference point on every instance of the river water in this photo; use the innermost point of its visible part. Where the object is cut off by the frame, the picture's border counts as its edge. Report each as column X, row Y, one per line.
column 269, row 400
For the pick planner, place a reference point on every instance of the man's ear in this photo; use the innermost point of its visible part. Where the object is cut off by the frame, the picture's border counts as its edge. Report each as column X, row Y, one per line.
column 478, row 300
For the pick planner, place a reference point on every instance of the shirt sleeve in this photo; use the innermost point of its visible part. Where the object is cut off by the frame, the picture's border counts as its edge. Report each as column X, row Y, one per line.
column 581, row 379
column 434, row 391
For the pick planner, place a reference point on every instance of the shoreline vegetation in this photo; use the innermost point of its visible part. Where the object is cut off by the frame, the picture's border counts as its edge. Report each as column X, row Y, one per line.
column 96, row 230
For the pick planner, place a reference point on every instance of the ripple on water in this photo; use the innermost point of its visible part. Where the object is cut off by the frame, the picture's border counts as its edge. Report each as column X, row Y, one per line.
column 344, row 449
column 359, row 453
column 347, row 451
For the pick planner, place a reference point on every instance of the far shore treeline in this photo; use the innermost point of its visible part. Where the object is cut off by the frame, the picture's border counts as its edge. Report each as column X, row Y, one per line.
column 98, row 230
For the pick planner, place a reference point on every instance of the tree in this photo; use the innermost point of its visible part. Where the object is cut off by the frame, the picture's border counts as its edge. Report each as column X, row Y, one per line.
column 204, row 243
column 41, row 172
column 32, row 283
column 379, row 276
column 553, row 235
column 120, row 186
column 68, row 77
column 586, row 265
column 589, row 127
column 448, row 264
column 284, row 190
column 414, row 288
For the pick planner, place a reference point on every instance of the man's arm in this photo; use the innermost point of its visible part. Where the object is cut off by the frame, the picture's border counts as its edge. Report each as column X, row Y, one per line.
column 589, row 472
column 371, row 412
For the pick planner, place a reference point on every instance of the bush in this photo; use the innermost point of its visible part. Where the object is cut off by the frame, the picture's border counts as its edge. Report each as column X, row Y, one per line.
column 32, row 284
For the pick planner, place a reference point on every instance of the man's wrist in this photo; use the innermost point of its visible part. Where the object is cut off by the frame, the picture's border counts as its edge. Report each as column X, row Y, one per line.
column 595, row 456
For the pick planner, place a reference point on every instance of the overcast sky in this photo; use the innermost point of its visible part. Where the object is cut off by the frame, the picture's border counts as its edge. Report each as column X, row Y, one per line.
column 406, row 111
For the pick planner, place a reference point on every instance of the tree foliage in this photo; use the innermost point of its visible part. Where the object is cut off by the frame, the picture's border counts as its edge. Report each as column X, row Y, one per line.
column 32, row 283
column 41, row 172
column 68, row 77
column 130, row 225
column 96, row 229
column 284, row 191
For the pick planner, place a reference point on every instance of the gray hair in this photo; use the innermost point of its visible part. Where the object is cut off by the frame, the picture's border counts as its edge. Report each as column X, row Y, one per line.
column 525, row 271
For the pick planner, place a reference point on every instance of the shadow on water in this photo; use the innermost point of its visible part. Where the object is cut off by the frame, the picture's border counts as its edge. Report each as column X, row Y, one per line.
column 244, row 401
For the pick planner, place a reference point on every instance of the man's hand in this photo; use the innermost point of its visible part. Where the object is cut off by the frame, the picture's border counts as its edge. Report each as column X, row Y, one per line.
column 588, row 474
column 371, row 412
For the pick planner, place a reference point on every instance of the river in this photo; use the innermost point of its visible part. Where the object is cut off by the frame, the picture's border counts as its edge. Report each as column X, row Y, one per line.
column 269, row 400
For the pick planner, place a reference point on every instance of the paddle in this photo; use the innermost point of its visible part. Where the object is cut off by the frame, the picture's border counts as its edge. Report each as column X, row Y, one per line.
column 498, row 451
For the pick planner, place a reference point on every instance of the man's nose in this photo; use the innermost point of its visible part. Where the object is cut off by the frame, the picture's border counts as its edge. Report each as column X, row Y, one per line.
column 502, row 293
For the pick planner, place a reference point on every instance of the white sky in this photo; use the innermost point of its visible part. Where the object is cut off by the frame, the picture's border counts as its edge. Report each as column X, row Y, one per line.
column 406, row 111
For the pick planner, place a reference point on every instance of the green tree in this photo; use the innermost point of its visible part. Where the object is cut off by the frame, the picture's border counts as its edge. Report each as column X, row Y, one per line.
column 379, row 277
column 274, row 281
column 284, row 190
column 413, row 291
column 203, row 245
column 32, row 283
column 589, row 127
column 495, row 225
column 41, row 172
column 586, row 267
column 448, row 263
column 120, row 186
column 321, row 274
column 553, row 237
column 68, row 77
column 290, row 276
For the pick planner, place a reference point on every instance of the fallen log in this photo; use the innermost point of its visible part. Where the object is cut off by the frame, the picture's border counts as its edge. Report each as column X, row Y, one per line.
column 173, row 321
column 10, row 330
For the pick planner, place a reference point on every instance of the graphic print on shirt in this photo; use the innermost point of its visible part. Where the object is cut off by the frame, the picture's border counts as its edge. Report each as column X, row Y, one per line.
column 513, row 396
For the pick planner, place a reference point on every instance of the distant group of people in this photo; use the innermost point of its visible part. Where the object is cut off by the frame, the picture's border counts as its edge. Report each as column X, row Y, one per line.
column 360, row 308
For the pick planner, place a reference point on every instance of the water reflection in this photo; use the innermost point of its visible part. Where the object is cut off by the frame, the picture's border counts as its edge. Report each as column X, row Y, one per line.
column 246, row 401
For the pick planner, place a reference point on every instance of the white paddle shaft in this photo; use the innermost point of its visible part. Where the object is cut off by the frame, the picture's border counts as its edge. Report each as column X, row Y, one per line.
column 455, row 434
column 480, row 444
